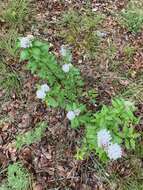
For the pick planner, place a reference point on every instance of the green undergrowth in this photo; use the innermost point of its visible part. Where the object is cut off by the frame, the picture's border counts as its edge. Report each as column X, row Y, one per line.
column 18, row 178
column 132, row 18
column 32, row 136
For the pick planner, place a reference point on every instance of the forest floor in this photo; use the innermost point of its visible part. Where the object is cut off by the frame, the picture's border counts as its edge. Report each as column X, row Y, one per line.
column 116, row 69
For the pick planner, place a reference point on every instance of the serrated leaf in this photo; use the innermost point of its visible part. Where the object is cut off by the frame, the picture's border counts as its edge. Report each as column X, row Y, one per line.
column 37, row 43
column 132, row 143
column 24, row 55
column 127, row 144
column 51, row 102
column 36, row 52
column 45, row 47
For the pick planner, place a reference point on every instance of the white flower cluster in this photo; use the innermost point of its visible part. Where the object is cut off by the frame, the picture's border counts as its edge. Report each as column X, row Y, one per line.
column 104, row 138
column 72, row 114
column 114, row 151
column 26, row 42
column 41, row 92
column 66, row 67
column 64, row 52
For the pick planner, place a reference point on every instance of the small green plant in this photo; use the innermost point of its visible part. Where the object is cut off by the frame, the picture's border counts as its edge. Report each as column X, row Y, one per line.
column 80, row 30
column 64, row 79
column 15, row 12
column 18, row 178
column 91, row 95
column 115, row 125
column 132, row 18
column 32, row 136
column 129, row 51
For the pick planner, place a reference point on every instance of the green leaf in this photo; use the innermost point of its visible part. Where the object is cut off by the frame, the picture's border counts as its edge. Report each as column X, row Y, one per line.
column 136, row 135
column 74, row 123
column 127, row 144
column 51, row 102
column 36, row 52
column 17, row 44
column 118, row 139
column 42, row 46
column 45, row 47
column 31, row 136
column 132, row 143
column 24, row 55
column 32, row 66
column 37, row 43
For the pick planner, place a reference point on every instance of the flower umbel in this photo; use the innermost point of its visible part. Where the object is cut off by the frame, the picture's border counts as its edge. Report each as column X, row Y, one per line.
column 103, row 138
column 114, row 151
column 25, row 42
column 45, row 88
column 71, row 115
column 63, row 51
column 66, row 54
column 41, row 92
column 66, row 67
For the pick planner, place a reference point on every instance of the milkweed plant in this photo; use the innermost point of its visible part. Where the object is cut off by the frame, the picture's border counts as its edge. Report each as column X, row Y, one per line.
column 107, row 132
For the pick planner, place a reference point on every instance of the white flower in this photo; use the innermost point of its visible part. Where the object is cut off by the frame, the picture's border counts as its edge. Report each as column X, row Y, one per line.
column 63, row 51
column 114, row 151
column 66, row 67
column 103, row 138
column 71, row 115
column 45, row 88
column 25, row 42
column 77, row 112
column 40, row 94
